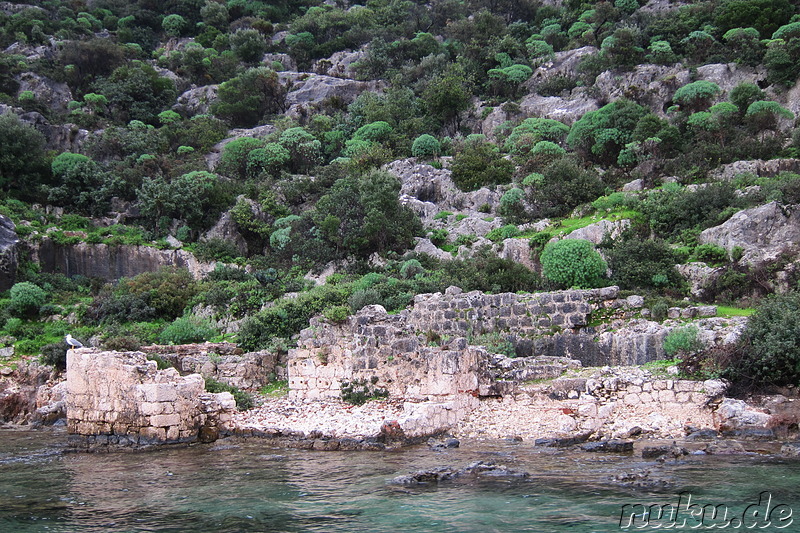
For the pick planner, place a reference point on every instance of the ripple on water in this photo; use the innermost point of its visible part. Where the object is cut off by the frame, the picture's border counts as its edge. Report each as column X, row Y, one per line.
column 252, row 486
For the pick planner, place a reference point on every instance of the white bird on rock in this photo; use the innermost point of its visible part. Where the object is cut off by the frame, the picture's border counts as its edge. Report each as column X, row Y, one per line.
column 73, row 343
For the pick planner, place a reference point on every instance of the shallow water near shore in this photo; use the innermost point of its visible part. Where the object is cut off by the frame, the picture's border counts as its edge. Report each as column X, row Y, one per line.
column 250, row 485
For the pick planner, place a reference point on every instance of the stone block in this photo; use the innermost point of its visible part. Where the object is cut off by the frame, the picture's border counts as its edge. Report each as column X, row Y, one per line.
column 666, row 396
column 159, row 392
column 631, row 399
column 165, row 420
column 151, row 408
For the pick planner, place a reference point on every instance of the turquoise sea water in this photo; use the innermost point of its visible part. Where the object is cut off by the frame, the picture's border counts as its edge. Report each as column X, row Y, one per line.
column 249, row 485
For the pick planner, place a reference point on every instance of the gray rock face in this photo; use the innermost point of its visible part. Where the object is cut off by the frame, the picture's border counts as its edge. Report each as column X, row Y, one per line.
column 519, row 251
column 212, row 158
column 113, row 262
column 197, row 101
column 648, row 85
column 425, row 246
column 763, row 232
column 310, row 90
column 51, row 93
column 567, row 110
column 227, row 230
column 284, row 59
column 700, row 276
column 729, row 75
column 595, row 233
column 339, row 65
column 61, row 137
column 8, row 253
column 429, row 184
column 770, row 168
column 563, row 64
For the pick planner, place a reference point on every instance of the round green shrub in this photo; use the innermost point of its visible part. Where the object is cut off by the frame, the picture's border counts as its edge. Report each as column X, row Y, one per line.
column 187, row 329
column 411, row 268
column 682, row 340
column 573, row 263
column 26, row 299
column 426, row 146
column 771, row 344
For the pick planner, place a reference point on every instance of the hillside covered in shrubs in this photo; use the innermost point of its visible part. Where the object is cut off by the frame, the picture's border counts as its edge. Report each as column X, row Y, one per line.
column 330, row 155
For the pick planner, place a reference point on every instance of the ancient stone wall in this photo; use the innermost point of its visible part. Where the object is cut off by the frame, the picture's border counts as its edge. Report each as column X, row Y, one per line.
column 120, row 398
column 222, row 361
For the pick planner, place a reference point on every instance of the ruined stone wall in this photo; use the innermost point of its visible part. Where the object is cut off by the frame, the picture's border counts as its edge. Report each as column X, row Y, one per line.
column 222, row 361
column 120, row 398
column 380, row 349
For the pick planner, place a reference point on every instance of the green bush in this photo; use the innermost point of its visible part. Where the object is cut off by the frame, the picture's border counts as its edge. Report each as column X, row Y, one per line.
column 659, row 310
column 638, row 263
column 244, row 400
column 682, row 340
column 426, row 146
column 55, row 355
column 26, row 299
column 480, row 165
column 187, row 329
column 573, row 263
column 362, row 298
column 771, row 344
column 711, row 253
column 337, row 313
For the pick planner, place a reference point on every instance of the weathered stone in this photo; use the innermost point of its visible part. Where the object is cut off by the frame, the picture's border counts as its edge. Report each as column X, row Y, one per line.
column 159, row 406
column 763, row 232
column 610, row 446
column 654, row 452
column 9, row 243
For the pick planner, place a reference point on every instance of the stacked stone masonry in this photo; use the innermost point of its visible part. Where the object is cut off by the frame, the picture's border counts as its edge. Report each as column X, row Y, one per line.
column 120, row 398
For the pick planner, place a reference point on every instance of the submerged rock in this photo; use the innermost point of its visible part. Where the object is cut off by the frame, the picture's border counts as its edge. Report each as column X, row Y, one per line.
column 477, row 469
column 609, row 446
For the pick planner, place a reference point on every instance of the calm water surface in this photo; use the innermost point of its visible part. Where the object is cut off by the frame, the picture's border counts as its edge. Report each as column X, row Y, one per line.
column 248, row 485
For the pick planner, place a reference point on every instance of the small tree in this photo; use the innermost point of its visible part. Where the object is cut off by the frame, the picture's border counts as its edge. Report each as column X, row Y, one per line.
column 771, row 344
column 573, row 263
column 26, row 299
column 426, row 146
column 697, row 95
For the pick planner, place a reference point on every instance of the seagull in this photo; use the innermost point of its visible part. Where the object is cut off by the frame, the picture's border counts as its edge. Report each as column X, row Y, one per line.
column 73, row 343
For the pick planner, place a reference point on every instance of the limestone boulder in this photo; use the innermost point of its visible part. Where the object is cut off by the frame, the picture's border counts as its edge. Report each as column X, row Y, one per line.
column 729, row 75
column 340, row 64
column 309, row 90
column 595, row 233
column 567, row 110
column 763, row 232
column 649, row 85
column 759, row 167
column 55, row 95
column 519, row 251
column 425, row 246
column 563, row 64
column 284, row 59
column 700, row 277
column 429, row 184
column 227, row 230
column 9, row 243
column 197, row 100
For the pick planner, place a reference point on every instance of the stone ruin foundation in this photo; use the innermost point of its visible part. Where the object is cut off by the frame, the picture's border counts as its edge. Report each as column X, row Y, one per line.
column 122, row 399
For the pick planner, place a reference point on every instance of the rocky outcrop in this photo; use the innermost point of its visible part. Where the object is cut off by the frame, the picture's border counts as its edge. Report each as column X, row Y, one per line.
column 340, row 64
column 9, row 243
column 59, row 137
column 259, row 132
column 567, row 110
column 648, row 85
column 227, row 230
column 308, row 91
column 52, row 94
column 562, row 64
column 121, row 399
column 197, row 100
column 428, row 184
column 112, row 262
column 18, row 390
column 595, row 233
column 758, row 167
column 763, row 232
column 700, row 277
